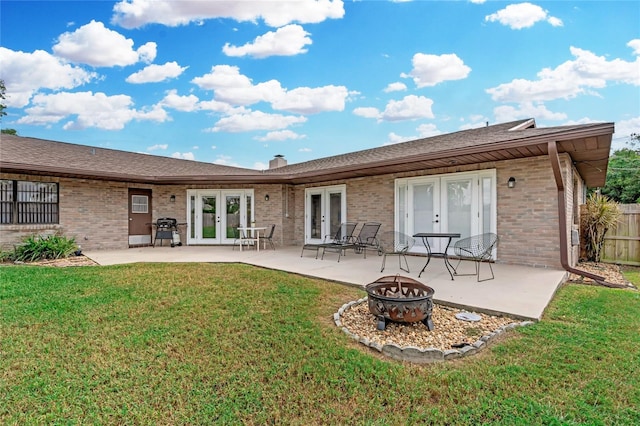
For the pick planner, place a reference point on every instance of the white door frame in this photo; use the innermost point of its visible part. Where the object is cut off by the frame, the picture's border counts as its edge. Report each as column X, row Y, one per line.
column 323, row 229
column 482, row 216
column 194, row 214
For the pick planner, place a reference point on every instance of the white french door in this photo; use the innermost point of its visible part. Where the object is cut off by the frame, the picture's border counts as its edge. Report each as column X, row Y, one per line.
column 463, row 203
column 213, row 216
column 325, row 210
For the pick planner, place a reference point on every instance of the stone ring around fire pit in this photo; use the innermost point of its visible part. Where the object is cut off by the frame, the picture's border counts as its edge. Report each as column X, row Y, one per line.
column 400, row 299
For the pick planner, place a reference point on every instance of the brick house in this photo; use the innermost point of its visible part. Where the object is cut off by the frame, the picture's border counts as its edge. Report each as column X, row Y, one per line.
column 523, row 182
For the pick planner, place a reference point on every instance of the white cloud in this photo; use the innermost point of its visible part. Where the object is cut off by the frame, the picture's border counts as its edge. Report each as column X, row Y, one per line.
column 156, row 73
column 570, row 79
column 225, row 160
column 259, row 165
column 424, row 131
column 367, row 112
column 522, row 15
column 635, row 45
column 184, row 155
column 304, row 150
column 623, row 131
column 281, row 135
column 231, row 87
column 286, row 41
column 395, row 87
column 26, row 73
column 429, row 70
column 410, row 107
column 506, row 113
column 255, row 120
column 157, row 147
column 90, row 110
column 137, row 13
column 394, row 138
column 311, row 100
column 181, row 103
column 428, row 130
column 95, row 45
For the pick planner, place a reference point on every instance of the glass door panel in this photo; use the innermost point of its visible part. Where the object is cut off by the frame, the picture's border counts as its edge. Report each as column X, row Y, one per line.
column 334, row 213
column 209, row 219
column 315, row 216
column 232, row 216
column 424, row 212
column 458, row 207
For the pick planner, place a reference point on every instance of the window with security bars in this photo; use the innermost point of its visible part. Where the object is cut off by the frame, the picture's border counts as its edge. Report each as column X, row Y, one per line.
column 25, row 202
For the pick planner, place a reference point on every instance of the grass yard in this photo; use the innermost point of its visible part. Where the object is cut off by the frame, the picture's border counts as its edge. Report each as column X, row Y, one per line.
column 235, row 344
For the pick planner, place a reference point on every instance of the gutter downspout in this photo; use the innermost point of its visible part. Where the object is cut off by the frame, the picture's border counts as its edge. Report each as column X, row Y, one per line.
column 562, row 219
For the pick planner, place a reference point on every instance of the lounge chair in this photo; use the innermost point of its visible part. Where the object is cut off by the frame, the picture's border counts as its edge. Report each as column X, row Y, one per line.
column 367, row 238
column 341, row 239
column 395, row 244
column 477, row 248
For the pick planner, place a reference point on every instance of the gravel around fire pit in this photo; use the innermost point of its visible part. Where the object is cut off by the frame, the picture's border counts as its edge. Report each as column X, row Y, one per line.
column 448, row 331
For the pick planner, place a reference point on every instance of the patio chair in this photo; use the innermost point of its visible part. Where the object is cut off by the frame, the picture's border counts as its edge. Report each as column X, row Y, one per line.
column 345, row 240
column 268, row 237
column 241, row 238
column 367, row 238
column 342, row 236
column 477, row 248
column 395, row 244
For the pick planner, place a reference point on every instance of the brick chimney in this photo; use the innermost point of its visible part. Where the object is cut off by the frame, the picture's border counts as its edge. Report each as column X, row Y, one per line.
column 278, row 161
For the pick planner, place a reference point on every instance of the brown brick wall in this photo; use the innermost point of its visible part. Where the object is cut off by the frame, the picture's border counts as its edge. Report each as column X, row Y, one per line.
column 527, row 215
column 95, row 212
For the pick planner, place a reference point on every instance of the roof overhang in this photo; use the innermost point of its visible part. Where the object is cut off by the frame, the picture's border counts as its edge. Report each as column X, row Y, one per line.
column 588, row 148
column 589, row 151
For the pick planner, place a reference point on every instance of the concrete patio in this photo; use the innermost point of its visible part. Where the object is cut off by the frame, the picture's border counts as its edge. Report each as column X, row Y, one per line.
column 518, row 291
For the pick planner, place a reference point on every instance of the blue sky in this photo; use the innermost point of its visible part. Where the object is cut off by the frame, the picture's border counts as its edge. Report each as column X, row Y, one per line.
column 238, row 82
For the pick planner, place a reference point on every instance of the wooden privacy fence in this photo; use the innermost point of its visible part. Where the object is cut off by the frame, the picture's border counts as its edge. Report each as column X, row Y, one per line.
column 622, row 244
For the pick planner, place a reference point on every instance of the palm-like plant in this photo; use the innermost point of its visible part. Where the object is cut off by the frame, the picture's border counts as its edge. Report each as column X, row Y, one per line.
column 599, row 216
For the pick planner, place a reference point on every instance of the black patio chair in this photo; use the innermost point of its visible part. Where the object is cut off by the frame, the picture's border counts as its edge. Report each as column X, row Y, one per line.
column 341, row 237
column 477, row 248
column 395, row 244
column 268, row 237
column 367, row 238
column 342, row 240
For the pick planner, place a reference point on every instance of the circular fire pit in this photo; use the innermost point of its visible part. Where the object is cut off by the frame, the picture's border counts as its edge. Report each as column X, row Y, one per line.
column 400, row 299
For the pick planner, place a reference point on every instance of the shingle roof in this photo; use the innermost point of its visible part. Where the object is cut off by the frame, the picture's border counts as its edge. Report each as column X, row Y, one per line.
column 588, row 144
column 80, row 160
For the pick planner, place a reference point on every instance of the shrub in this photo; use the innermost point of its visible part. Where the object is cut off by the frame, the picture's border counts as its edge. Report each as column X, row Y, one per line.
column 37, row 247
column 599, row 215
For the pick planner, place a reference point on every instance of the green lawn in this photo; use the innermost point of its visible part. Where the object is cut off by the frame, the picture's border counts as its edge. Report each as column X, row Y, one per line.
column 235, row 344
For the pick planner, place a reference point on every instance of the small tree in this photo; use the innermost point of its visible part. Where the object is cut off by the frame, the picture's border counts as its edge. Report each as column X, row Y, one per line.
column 3, row 89
column 599, row 216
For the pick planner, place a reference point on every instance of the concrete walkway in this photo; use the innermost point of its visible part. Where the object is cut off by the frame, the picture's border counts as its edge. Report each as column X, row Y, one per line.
column 518, row 291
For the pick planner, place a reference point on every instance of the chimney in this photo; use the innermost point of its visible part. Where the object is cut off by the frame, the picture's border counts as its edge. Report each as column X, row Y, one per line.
column 278, row 161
